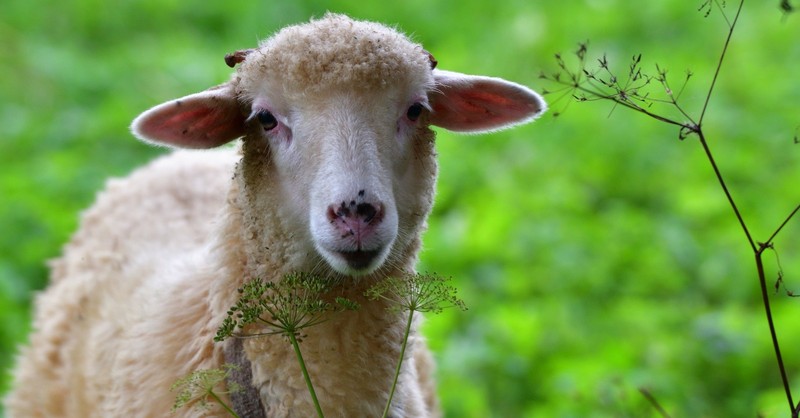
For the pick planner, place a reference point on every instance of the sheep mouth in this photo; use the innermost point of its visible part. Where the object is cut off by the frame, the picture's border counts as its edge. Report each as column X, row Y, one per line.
column 359, row 260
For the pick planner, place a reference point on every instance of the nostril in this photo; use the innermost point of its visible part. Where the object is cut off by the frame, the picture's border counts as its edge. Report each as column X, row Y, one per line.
column 361, row 212
column 333, row 214
column 342, row 211
column 366, row 212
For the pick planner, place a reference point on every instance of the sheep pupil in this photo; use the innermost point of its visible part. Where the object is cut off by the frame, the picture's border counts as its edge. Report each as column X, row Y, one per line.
column 414, row 112
column 267, row 119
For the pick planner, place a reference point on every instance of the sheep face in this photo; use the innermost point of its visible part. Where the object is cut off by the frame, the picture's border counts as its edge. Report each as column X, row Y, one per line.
column 335, row 117
column 345, row 166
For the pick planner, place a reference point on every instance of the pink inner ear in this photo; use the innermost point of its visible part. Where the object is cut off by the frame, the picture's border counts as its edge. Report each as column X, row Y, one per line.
column 201, row 126
column 203, row 120
column 478, row 104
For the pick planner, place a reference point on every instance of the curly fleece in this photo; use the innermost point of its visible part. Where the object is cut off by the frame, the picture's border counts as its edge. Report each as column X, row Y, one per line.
column 336, row 51
column 142, row 286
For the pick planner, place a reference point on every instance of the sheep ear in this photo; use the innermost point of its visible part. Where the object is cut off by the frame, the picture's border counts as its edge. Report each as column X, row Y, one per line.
column 202, row 120
column 467, row 103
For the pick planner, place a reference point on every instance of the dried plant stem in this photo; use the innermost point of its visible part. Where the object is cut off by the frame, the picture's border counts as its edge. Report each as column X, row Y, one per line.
column 721, row 180
column 758, row 250
column 731, row 26
column 604, row 85
column 698, row 129
column 765, row 298
column 785, row 221
column 650, row 398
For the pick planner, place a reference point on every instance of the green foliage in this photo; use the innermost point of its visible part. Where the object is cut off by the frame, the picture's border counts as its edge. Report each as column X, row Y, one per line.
column 595, row 251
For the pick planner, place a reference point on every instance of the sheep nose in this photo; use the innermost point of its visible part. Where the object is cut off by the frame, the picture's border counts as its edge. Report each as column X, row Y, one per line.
column 355, row 220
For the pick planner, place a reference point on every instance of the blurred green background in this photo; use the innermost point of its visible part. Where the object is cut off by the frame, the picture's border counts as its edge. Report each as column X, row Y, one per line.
column 595, row 250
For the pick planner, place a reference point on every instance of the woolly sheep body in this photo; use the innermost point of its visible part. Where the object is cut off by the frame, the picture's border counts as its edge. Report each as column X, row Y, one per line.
column 71, row 366
column 141, row 288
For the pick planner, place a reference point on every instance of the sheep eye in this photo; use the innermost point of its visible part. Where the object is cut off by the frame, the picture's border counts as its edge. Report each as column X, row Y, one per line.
column 267, row 120
column 414, row 112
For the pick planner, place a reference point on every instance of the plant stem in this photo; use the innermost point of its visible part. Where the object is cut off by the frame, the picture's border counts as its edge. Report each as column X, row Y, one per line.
column 765, row 298
column 724, row 186
column 399, row 363
column 627, row 104
column 652, row 399
column 296, row 346
column 785, row 221
column 757, row 249
column 224, row 405
column 731, row 27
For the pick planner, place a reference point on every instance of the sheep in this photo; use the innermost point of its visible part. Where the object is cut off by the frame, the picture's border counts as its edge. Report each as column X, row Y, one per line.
column 334, row 174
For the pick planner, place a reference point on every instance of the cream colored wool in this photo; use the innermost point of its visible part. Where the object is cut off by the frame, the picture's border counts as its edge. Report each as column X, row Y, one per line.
column 141, row 288
column 337, row 51
column 134, row 304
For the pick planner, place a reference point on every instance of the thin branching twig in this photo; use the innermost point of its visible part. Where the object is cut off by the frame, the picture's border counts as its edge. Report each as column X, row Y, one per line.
column 652, row 399
column 602, row 84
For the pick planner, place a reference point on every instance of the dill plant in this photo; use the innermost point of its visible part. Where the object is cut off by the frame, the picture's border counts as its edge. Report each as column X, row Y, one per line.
column 285, row 308
column 297, row 302
column 413, row 293
column 203, row 386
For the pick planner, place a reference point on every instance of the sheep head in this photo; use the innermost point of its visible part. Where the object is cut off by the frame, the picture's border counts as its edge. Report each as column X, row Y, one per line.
column 337, row 114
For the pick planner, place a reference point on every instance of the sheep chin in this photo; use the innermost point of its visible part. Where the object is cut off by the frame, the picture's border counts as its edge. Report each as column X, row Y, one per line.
column 355, row 263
